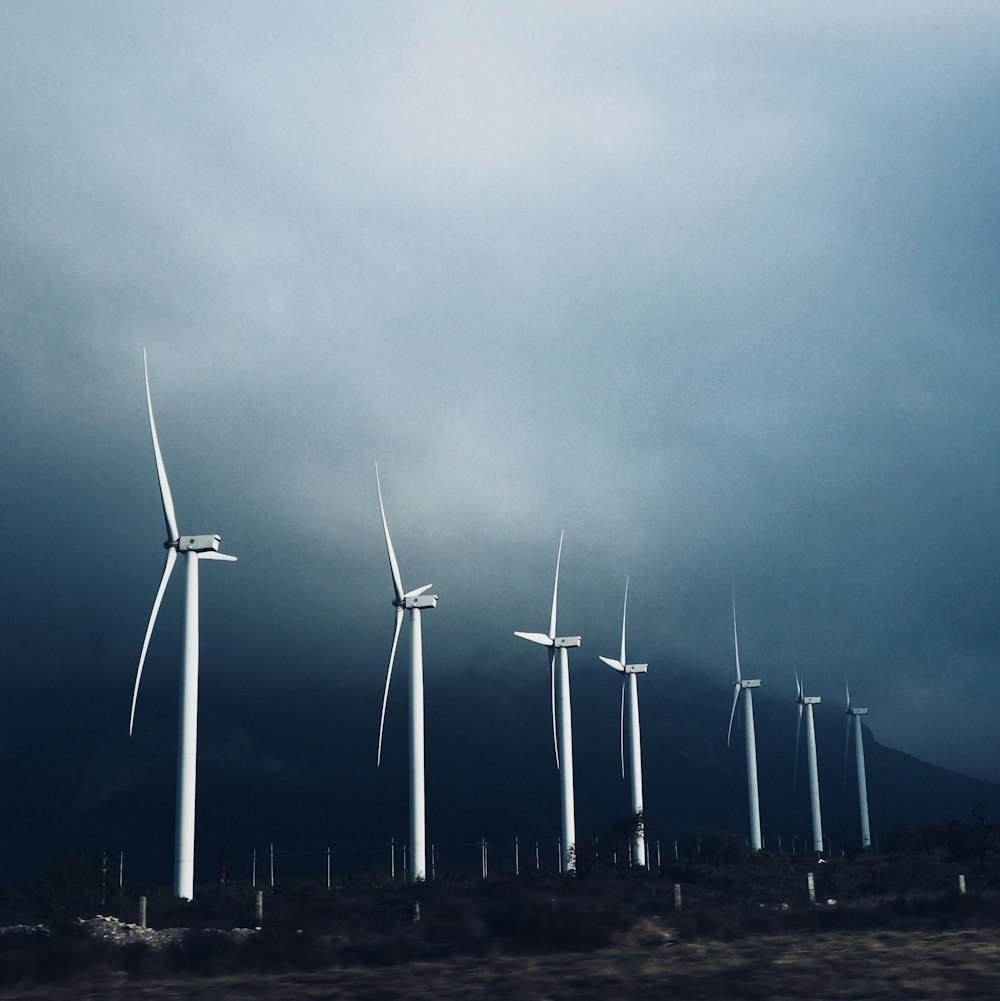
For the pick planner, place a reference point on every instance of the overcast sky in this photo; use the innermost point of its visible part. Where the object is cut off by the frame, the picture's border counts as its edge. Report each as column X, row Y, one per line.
column 712, row 287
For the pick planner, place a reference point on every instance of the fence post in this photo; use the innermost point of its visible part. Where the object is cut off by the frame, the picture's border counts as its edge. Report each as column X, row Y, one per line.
column 392, row 858
column 677, row 896
column 272, row 865
column 961, row 884
column 811, row 886
column 142, row 911
column 517, row 858
column 253, row 869
column 328, row 867
column 259, row 908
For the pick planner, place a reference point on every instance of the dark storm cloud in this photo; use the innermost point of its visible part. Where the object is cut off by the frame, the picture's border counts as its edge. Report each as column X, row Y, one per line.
column 714, row 292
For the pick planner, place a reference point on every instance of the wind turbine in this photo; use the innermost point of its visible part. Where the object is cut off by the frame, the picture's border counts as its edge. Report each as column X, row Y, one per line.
column 195, row 548
column 628, row 672
column 412, row 601
column 562, row 722
column 808, row 701
column 746, row 687
column 859, row 751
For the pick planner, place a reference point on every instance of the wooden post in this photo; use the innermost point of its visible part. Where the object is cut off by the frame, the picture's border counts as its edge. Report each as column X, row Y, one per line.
column 677, row 896
column 259, row 908
column 961, row 884
column 517, row 858
column 272, row 865
column 142, row 911
column 328, row 867
column 811, row 886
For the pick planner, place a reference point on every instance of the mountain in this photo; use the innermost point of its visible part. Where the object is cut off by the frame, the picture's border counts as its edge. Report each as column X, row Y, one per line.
column 292, row 761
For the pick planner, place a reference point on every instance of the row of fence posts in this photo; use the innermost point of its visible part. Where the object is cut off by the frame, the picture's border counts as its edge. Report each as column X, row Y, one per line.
column 678, row 899
column 484, row 849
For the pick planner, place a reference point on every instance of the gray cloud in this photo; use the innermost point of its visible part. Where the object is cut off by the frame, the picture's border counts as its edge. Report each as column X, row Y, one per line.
column 713, row 291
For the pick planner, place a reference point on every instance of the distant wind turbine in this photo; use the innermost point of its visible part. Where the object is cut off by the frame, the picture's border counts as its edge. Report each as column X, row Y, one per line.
column 854, row 715
column 562, row 722
column 746, row 687
column 413, row 601
column 628, row 672
column 194, row 548
column 808, row 701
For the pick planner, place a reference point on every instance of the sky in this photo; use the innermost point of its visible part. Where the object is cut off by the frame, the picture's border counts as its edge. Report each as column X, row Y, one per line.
column 711, row 288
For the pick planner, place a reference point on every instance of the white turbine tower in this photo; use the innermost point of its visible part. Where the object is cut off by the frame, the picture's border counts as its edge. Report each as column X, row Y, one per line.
column 412, row 601
column 628, row 672
column 562, row 722
column 854, row 715
column 808, row 701
column 746, row 687
column 194, row 548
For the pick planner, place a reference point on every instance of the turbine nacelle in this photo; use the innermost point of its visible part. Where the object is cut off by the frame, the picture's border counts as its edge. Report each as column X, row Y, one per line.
column 857, row 712
column 417, row 599
column 755, row 683
column 195, row 544
column 566, row 641
column 810, row 700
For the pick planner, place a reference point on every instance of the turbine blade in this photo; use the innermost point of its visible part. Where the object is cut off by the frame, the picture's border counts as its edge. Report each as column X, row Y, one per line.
column 539, row 638
column 624, row 610
column 419, row 591
column 161, row 473
column 217, row 556
column 167, row 570
column 388, row 678
column 397, row 582
column 847, row 689
column 616, row 664
column 621, row 730
column 555, row 591
column 732, row 715
column 736, row 639
column 552, row 673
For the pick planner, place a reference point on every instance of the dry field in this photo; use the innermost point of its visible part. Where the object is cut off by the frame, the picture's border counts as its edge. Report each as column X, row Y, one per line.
column 963, row 964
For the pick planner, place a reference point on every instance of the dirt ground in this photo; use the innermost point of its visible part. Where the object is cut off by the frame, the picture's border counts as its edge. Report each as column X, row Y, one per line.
column 844, row 965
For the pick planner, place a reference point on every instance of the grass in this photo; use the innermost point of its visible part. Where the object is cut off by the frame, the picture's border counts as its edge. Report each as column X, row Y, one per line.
column 961, row 964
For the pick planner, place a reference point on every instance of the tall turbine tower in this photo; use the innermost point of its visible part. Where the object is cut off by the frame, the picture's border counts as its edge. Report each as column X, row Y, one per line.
column 808, row 701
column 746, row 687
column 854, row 715
column 194, row 548
column 628, row 672
column 562, row 722
column 412, row 601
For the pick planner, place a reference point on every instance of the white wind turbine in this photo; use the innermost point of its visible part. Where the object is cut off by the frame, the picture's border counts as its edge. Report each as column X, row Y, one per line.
column 562, row 722
column 628, row 672
column 195, row 548
column 746, row 687
column 413, row 601
column 854, row 715
column 808, row 701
